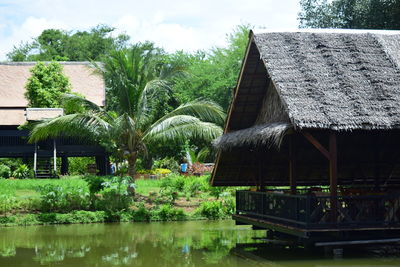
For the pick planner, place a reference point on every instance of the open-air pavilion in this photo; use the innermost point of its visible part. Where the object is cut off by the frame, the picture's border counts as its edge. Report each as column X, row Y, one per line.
column 314, row 128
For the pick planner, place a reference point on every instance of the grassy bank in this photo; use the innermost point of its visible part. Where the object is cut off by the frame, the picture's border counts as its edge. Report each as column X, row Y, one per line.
column 88, row 199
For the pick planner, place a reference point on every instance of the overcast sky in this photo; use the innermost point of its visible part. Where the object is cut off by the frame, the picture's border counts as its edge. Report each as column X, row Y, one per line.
column 174, row 24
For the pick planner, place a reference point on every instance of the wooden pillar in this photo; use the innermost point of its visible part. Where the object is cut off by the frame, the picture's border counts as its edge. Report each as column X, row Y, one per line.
column 35, row 159
column 54, row 157
column 333, row 174
column 64, row 165
column 292, row 166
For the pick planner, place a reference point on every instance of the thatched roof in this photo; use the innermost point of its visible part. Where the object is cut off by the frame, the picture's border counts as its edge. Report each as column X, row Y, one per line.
column 14, row 75
column 339, row 81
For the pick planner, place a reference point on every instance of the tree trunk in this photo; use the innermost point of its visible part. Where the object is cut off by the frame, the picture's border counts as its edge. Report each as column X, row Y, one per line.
column 131, row 164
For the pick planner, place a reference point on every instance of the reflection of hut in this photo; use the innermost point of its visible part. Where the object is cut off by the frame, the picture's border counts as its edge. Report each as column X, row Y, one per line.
column 14, row 112
column 317, row 113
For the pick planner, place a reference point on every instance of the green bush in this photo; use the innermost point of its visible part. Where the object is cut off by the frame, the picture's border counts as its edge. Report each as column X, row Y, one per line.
column 141, row 214
column 95, row 183
column 22, row 172
column 64, row 199
column 8, row 203
column 169, row 213
column 5, row 171
column 78, row 165
column 211, row 210
column 116, row 194
column 166, row 163
column 7, row 219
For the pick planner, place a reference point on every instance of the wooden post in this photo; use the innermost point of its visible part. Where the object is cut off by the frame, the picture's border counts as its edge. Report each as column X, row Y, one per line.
column 333, row 174
column 54, row 157
column 292, row 167
column 35, row 160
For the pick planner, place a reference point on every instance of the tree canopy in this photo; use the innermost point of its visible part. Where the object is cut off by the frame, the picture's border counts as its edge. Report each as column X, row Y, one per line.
column 54, row 44
column 46, row 85
column 350, row 14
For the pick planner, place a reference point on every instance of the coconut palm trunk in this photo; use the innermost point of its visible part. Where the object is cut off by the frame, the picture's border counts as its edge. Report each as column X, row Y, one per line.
column 132, row 157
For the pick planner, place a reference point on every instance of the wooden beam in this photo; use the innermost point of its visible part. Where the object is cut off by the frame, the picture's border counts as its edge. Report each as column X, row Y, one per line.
column 292, row 167
column 333, row 174
column 317, row 144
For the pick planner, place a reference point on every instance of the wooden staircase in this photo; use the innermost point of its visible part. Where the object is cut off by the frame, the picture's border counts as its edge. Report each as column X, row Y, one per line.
column 44, row 168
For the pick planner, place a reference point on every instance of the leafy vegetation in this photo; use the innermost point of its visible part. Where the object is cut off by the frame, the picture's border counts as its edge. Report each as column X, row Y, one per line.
column 54, row 44
column 70, row 199
column 350, row 14
column 46, row 85
column 139, row 84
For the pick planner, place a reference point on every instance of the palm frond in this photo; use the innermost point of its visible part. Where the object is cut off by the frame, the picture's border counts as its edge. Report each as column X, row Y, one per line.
column 204, row 110
column 182, row 128
column 80, row 126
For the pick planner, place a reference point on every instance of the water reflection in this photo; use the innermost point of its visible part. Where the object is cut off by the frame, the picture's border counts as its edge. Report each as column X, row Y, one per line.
column 178, row 244
column 155, row 244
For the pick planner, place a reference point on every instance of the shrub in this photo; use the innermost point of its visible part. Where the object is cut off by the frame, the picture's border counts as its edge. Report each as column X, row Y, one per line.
column 5, row 171
column 194, row 186
column 168, row 163
column 169, row 213
column 58, row 198
column 23, row 172
column 78, row 165
column 211, row 209
column 8, row 203
column 161, row 171
column 116, row 194
column 141, row 214
column 229, row 206
column 95, row 183
column 7, row 219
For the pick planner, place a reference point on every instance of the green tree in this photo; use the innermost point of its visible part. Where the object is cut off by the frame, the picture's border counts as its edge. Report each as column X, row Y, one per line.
column 214, row 74
column 59, row 45
column 140, row 83
column 351, row 14
column 46, row 85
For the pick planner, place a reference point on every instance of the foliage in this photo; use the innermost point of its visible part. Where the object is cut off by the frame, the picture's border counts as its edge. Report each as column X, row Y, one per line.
column 116, row 194
column 63, row 199
column 168, row 163
column 213, row 74
column 5, row 171
column 22, row 172
column 350, row 14
column 141, row 214
column 54, row 44
column 46, row 85
column 169, row 213
column 139, row 84
column 78, row 165
column 8, row 203
column 211, row 210
column 95, row 183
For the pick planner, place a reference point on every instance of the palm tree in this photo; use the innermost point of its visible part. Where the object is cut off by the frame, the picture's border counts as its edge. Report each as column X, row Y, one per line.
column 139, row 83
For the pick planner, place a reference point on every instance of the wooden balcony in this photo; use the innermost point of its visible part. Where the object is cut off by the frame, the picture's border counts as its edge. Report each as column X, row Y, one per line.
column 304, row 214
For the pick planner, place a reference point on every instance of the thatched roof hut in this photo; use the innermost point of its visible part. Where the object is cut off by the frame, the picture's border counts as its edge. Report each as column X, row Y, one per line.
column 14, row 76
column 300, row 91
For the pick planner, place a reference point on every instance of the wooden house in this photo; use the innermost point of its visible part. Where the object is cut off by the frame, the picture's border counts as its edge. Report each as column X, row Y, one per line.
column 314, row 126
column 14, row 112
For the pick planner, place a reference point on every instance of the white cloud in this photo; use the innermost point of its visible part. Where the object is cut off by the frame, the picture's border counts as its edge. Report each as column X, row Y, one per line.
column 177, row 24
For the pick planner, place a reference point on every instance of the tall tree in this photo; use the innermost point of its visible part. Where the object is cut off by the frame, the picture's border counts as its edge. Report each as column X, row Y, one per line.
column 54, row 44
column 213, row 74
column 140, row 84
column 46, row 85
column 351, row 14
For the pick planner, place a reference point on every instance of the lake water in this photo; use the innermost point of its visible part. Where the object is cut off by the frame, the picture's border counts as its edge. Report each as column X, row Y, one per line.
column 198, row 243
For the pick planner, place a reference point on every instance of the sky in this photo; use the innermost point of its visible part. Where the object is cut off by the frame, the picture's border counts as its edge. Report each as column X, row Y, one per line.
column 186, row 25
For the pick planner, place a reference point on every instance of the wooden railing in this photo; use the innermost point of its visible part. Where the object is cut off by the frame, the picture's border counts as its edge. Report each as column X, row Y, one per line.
column 313, row 212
